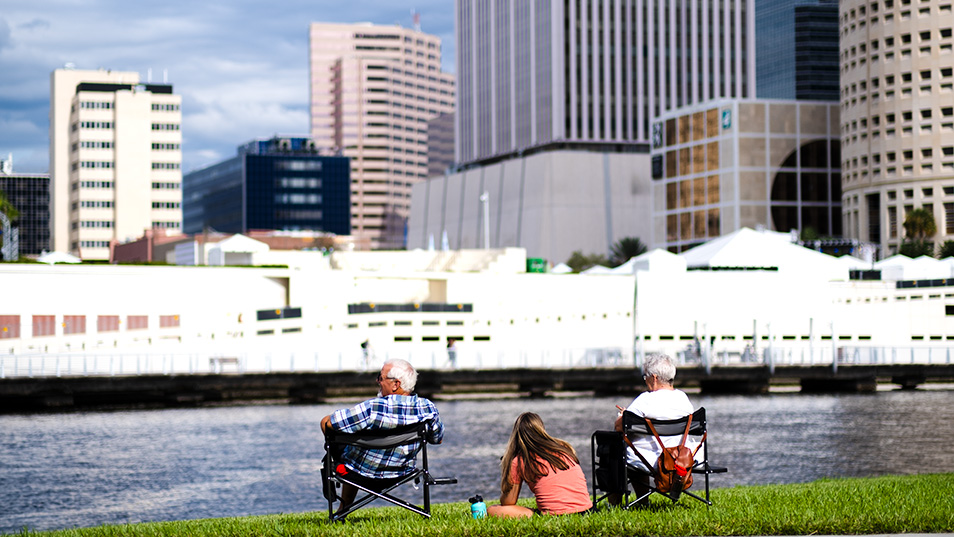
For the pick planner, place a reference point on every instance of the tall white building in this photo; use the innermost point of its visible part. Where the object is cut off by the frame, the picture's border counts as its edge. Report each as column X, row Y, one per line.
column 373, row 90
column 592, row 72
column 897, row 117
column 115, row 159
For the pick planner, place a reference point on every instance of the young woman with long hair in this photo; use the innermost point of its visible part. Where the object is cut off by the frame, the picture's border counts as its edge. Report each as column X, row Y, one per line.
column 548, row 465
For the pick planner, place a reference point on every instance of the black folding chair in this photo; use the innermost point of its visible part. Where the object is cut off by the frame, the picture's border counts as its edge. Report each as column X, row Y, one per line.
column 610, row 467
column 413, row 436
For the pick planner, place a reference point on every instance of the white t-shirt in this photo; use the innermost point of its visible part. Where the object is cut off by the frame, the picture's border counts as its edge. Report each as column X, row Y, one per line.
column 660, row 405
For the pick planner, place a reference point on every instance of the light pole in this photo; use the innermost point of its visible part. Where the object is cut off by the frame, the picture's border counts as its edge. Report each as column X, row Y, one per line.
column 484, row 200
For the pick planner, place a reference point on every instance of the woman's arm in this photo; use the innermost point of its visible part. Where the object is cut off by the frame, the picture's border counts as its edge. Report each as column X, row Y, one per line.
column 509, row 497
column 508, row 507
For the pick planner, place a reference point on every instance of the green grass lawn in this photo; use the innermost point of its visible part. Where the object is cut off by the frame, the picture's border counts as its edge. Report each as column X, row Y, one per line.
column 893, row 504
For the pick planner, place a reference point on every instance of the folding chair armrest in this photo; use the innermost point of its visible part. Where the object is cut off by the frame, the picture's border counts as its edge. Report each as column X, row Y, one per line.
column 442, row 481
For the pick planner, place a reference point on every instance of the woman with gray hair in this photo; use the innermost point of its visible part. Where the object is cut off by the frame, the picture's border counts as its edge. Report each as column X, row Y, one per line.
column 661, row 401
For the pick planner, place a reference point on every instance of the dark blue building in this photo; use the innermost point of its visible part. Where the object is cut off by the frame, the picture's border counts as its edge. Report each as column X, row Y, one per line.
column 30, row 194
column 281, row 183
column 797, row 43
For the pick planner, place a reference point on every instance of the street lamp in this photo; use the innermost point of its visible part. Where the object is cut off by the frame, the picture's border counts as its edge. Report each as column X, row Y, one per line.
column 484, row 200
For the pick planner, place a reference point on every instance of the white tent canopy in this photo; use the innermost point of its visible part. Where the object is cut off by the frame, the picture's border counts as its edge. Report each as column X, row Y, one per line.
column 58, row 257
column 764, row 249
column 902, row 267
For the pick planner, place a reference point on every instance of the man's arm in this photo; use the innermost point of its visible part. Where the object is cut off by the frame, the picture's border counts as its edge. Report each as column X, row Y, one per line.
column 326, row 425
column 435, row 432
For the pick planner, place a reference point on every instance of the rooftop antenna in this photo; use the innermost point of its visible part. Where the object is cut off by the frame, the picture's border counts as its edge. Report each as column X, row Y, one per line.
column 165, row 76
column 149, row 75
column 416, row 18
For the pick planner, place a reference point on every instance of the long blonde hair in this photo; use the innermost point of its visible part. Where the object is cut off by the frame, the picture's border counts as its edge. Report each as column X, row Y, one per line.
column 530, row 441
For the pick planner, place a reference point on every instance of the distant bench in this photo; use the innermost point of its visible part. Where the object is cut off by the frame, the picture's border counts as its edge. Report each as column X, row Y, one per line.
column 217, row 363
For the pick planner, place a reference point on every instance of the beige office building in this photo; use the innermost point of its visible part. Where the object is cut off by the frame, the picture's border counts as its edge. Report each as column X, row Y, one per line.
column 897, row 117
column 724, row 165
column 115, row 159
column 373, row 91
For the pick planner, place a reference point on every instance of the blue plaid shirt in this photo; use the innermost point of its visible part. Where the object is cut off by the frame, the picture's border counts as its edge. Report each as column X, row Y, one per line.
column 386, row 413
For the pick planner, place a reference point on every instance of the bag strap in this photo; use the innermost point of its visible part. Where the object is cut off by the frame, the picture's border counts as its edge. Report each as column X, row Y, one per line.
column 638, row 454
column 685, row 434
column 704, row 435
column 653, row 429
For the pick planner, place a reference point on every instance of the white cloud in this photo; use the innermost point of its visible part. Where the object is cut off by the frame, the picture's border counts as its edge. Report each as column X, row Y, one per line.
column 241, row 66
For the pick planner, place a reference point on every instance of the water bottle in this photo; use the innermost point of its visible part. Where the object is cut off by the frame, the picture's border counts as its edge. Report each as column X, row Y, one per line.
column 478, row 509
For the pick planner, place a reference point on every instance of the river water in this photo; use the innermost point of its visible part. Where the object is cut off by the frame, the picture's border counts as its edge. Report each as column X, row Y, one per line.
column 86, row 469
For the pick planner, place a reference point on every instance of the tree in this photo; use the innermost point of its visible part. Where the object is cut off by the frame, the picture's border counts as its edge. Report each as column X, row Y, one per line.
column 919, row 225
column 7, row 208
column 625, row 249
column 579, row 262
column 917, row 248
column 809, row 234
column 946, row 249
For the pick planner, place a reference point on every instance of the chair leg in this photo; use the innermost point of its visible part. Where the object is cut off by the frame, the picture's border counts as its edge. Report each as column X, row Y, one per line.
column 371, row 495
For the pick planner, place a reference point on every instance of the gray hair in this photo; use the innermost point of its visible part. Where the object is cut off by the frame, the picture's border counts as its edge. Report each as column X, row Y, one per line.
column 660, row 365
column 403, row 371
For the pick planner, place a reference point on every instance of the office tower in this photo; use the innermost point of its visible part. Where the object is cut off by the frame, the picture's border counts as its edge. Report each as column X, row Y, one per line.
column 29, row 193
column 897, row 117
column 280, row 183
column 592, row 73
column 373, row 90
column 115, row 159
column 440, row 144
column 727, row 164
column 797, row 49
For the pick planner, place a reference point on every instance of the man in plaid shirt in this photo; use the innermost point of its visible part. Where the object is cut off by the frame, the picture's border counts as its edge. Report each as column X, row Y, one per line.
column 394, row 406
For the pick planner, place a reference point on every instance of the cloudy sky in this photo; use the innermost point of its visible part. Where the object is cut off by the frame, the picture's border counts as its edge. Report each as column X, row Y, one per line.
column 240, row 66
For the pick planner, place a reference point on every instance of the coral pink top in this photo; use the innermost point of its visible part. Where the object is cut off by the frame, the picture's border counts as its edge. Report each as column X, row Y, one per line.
column 559, row 492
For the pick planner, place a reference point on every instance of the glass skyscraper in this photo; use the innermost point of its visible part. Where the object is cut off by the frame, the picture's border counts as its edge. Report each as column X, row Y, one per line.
column 797, row 49
column 281, row 183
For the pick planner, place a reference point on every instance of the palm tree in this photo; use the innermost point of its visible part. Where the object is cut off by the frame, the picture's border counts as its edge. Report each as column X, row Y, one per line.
column 919, row 224
column 919, row 227
column 7, row 208
column 625, row 249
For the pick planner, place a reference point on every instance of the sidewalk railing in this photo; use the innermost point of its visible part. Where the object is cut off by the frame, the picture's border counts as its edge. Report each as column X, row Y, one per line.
column 212, row 361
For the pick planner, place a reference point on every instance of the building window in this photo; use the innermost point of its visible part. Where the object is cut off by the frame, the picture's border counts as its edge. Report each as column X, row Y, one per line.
column 165, row 165
column 95, row 105
column 165, row 126
column 74, row 324
column 165, row 205
column 165, row 147
column 163, row 107
column 168, row 321
column 96, row 145
column 96, row 124
column 96, row 165
column 96, row 224
column 137, row 322
column 94, row 244
column 96, row 184
column 44, row 325
column 165, row 225
column 165, row 186
column 107, row 323
column 9, row 326
column 96, row 204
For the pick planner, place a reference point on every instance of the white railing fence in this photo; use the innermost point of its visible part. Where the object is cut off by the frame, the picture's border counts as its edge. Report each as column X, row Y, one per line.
column 205, row 362
column 210, row 362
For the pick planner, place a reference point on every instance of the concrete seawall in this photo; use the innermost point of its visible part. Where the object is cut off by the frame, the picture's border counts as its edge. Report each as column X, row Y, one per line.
column 156, row 391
